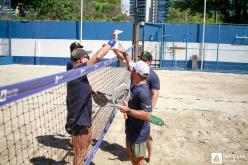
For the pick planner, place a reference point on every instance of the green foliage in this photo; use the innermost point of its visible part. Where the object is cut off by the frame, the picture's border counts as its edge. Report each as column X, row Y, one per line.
column 103, row 10
column 94, row 10
column 178, row 16
column 217, row 10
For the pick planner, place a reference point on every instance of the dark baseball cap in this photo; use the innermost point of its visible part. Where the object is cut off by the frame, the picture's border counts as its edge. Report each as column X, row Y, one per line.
column 146, row 56
column 78, row 53
column 75, row 45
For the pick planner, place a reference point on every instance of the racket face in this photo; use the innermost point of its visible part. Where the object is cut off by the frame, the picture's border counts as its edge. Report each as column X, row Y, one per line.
column 120, row 94
column 100, row 99
column 155, row 120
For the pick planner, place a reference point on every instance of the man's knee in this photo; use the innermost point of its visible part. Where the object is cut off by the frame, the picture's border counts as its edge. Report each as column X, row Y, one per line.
column 138, row 160
column 150, row 138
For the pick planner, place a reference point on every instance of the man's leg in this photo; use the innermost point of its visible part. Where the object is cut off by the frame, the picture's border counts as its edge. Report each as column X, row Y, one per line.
column 129, row 150
column 134, row 160
column 149, row 148
column 138, row 160
column 136, row 152
column 80, row 145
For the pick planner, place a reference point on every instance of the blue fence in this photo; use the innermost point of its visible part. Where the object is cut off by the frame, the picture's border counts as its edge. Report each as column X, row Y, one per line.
column 230, row 50
column 103, row 30
column 225, row 50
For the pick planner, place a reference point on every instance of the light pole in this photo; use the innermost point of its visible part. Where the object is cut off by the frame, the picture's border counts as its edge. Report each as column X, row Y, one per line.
column 81, row 20
column 203, row 35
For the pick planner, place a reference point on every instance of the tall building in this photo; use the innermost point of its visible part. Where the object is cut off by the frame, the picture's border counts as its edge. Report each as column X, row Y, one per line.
column 150, row 10
column 141, row 9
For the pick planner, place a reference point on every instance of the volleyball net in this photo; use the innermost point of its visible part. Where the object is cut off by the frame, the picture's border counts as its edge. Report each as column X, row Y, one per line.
column 33, row 115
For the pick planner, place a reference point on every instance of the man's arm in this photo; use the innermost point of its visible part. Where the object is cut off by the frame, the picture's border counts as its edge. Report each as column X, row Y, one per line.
column 120, row 56
column 101, row 53
column 143, row 114
column 139, row 114
column 105, row 48
column 154, row 85
column 124, row 58
column 154, row 93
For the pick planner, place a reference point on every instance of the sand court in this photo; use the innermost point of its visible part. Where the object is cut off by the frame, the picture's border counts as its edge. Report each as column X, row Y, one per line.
column 204, row 112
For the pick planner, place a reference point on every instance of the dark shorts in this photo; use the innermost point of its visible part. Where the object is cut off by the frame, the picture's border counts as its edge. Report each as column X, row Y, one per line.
column 76, row 130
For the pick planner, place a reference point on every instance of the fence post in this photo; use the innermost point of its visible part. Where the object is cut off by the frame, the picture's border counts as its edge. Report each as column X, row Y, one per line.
column 186, row 47
column 218, row 47
column 162, row 47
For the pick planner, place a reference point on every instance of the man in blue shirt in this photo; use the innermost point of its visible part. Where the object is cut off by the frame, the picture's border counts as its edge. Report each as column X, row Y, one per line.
column 152, row 81
column 79, row 102
column 139, row 110
column 73, row 46
column 154, row 86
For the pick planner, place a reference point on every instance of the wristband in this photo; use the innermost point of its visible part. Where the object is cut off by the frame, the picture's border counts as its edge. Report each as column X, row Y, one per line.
column 112, row 43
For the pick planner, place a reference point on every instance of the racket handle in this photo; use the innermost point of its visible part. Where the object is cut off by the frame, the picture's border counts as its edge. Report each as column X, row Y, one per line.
column 125, row 115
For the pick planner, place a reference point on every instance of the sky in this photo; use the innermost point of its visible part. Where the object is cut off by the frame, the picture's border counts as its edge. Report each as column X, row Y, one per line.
column 125, row 6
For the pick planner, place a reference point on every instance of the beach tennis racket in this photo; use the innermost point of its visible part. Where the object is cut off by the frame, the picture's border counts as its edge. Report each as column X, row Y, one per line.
column 118, row 95
column 156, row 120
column 100, row 98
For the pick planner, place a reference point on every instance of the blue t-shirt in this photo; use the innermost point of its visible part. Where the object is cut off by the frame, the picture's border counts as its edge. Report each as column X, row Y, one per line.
column 79, row 102
column 153, row 80
column 69, row 65
column 137, row 131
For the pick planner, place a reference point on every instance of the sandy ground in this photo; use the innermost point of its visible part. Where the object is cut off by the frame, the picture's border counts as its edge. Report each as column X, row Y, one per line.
column 204, row 113
column 10, row 74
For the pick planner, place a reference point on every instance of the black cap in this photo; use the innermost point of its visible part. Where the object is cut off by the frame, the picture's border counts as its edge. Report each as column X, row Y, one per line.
column 75, row 45
column 146, row 56
column 78, row 53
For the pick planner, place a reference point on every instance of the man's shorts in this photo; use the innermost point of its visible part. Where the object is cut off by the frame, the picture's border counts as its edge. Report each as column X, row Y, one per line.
column 138, row 149
column 76, row 130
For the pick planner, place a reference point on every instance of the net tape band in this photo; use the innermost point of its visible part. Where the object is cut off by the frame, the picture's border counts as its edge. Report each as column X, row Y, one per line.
column 99, row 142
column 23, row 89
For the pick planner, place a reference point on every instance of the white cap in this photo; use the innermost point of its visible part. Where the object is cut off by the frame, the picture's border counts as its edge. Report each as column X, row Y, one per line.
column 117, row 31
column 141, row 67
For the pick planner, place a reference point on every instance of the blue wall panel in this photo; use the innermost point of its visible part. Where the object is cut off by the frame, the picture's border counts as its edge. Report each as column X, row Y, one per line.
column 104, row 30
column 23, row 60
column 5, row 60
column 229, row 32
column 69, row 30
column 4, row 29
column 211, row 34
column 44, row 29
column 152, row 32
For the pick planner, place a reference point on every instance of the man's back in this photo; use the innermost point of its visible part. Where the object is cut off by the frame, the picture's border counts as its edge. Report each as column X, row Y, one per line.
column 153, row 80
column 78, row 94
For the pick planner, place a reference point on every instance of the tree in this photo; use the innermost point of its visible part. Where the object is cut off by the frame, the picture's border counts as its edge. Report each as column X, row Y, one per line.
column 229, row 11
column 100, row 10
column 50, row 9
column 103, row 10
